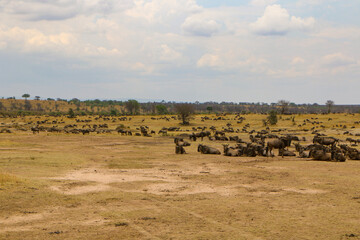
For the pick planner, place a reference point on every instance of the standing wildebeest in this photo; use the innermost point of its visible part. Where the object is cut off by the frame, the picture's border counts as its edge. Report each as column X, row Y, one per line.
column 35, row 130
column 207, row 150
column 325, row 140
column 201, row 135
column 279, row 143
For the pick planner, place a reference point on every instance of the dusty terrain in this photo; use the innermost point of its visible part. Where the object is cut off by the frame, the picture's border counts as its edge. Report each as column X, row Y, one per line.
column 108, row 186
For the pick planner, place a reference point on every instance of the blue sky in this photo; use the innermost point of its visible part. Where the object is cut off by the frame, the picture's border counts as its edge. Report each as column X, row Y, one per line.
column 303, row 51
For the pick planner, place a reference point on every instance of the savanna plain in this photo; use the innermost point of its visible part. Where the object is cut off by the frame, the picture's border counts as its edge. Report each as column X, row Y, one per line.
column 57, row 185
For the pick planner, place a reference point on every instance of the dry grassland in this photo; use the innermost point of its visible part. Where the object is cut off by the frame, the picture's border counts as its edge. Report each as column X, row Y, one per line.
column 107, row 186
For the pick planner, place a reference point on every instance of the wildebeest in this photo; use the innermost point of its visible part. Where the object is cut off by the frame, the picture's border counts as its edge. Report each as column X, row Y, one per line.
column 231, row 152
column 278, row 143
column 320, row 155
column 179, row 140
column 325, row 140
column 286, row 153
column 207, row 150
column 179, row 149
column 35, row 130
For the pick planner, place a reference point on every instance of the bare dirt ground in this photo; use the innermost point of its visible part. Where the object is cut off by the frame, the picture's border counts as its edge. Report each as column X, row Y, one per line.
column 119, row 187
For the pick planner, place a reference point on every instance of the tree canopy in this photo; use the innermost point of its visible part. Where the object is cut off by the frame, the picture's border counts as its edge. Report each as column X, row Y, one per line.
column 184, row 110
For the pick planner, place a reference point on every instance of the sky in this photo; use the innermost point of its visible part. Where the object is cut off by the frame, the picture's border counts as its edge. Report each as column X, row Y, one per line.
column 303, row 51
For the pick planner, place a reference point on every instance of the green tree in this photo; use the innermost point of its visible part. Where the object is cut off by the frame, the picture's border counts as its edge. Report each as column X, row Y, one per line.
column 161, row 109
column 272, row 117
column 26, row 96
column 184, row 110
column 37, row 98
column 71, row 113
column 113, row 112
column 132, row 106
column 209, row 109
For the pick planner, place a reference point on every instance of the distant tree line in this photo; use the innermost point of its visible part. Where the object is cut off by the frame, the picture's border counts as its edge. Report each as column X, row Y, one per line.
column 60, row 106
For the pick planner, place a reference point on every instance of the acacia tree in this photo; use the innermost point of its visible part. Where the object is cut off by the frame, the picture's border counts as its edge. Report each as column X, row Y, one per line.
column 37, row 98
column 26, row 96
column 329, row 104
column 132, row 106
column 184, row 110
column 284, row 104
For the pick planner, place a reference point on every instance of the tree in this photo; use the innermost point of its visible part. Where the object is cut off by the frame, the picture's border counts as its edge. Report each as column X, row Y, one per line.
column 209, row 109
column 161, row 109
column 283, row 105
column 329, row 104
column 37, row 98
column 184, row 110
column 132, row 106
column 272, row 117
column 71, row 113
column 26, row 96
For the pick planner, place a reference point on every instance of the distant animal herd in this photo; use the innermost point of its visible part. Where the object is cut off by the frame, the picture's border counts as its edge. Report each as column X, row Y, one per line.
column 260, row 143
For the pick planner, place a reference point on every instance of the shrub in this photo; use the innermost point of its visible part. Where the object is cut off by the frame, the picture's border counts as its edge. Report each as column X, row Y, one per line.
column 272, row 118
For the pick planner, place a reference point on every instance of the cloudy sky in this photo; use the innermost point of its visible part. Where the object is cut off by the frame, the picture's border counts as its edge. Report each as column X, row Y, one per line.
column 303, row 51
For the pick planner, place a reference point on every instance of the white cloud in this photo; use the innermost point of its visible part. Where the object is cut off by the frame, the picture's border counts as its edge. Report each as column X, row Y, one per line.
column 261, row 3
column 337, row 60
column 277, row 21
column 209, row 60
column 200, row 27
column 169, row 54
column 297, row 60
column 228, row 61
column 160, row 10
column 32, row 39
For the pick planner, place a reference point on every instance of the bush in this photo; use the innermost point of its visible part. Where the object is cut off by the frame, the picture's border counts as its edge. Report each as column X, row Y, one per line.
column 272, row 118
column 71, row 113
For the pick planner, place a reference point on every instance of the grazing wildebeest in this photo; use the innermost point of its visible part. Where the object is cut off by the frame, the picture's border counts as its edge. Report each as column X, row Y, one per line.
column 279, row 143
column 325, row 140
column 207, row 150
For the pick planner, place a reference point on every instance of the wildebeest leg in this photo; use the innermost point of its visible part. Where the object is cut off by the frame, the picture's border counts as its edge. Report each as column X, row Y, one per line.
column 282, row 151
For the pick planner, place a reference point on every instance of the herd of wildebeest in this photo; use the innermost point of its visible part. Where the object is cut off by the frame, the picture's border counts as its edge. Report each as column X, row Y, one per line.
column 259, row 143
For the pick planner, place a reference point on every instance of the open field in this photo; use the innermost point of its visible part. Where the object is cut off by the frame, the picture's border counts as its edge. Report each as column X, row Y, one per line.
column 56, row 185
